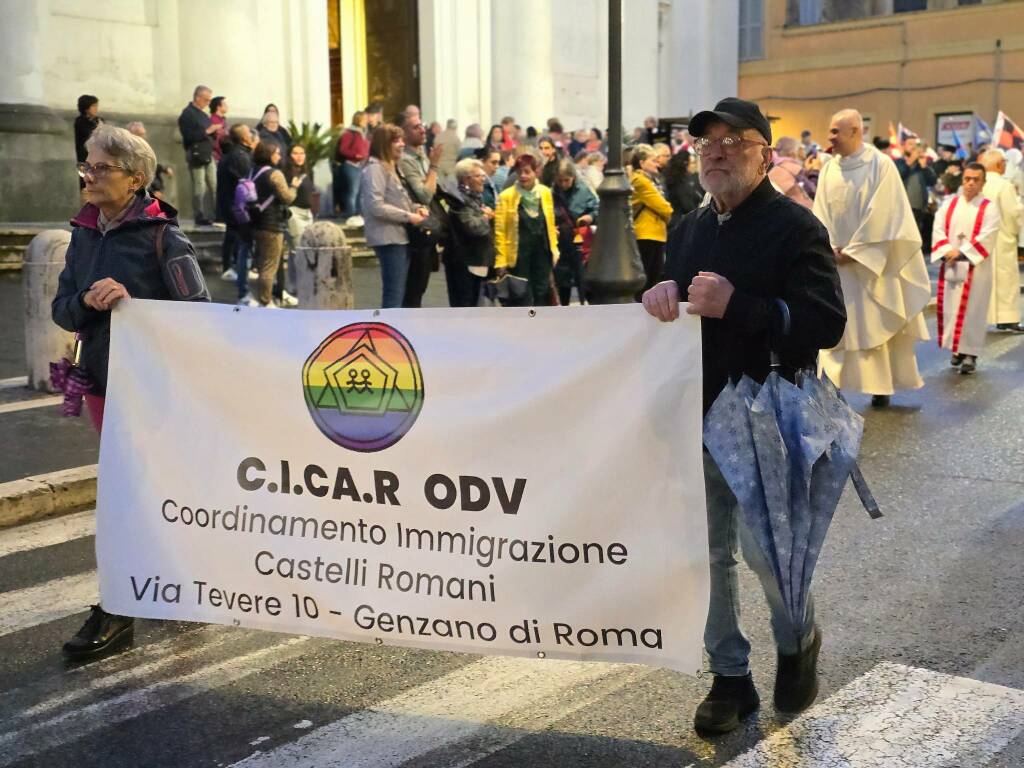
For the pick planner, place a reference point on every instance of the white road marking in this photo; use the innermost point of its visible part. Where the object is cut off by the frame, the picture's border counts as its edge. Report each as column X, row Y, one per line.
column 14, row 381
column 37, row 402
column 898, row 717
column 460, row 706
column 46, row 533
column 49, row 601
column 303, row 725
column 71, row 726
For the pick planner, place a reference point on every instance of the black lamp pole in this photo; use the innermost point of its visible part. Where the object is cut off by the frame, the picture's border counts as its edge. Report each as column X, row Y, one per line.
column 614, row 273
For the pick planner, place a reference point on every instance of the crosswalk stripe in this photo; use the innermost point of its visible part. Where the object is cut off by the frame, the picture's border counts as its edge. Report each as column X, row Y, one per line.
column 897, row 716
column 46, row 533
column 49, row 601
column 73, row 725
column 37, row 402
column 454, row 708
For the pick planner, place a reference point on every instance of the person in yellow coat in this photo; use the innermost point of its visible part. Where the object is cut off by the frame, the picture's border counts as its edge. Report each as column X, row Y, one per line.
column 651, row 213
column 525, row 239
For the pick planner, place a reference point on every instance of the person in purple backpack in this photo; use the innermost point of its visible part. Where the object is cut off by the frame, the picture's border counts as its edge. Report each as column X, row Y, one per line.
column 233, row 167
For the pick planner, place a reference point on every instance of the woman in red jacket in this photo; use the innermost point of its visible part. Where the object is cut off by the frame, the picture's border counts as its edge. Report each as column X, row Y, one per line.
column 353, row 149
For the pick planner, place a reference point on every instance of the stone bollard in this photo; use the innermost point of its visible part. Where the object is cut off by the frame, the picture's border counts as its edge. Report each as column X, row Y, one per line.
column 45, row 341
column 323, row 268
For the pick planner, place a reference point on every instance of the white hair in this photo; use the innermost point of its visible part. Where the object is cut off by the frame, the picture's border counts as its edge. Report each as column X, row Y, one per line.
column 466, row 166
column 133, row 152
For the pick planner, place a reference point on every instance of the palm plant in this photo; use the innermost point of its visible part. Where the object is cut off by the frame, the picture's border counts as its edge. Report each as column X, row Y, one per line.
column 318, row 141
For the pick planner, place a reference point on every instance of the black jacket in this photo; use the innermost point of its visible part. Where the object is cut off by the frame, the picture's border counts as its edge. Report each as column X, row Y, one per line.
column 232, row 168
column 472, row 233
column 770, row 247
column 126, row 253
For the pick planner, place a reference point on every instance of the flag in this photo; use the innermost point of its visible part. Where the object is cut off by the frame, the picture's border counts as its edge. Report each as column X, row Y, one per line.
column 1007, row 134
column 961, row 153
column 905, row 133
column 982, row 132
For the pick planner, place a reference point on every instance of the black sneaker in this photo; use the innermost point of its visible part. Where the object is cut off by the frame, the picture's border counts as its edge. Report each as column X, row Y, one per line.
column 796, row 678
column 1010, row 327
column 880, row 401
column 969, row 365
column 102, row 633
column 956, row 360
column 729, row 701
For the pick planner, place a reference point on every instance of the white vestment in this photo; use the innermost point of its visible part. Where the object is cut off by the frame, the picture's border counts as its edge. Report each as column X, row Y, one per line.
column 1005, row 304
column 965, row 285
column 862, row 203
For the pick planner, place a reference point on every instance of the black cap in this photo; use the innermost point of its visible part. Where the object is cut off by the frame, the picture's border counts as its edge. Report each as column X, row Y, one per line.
column 735, row 112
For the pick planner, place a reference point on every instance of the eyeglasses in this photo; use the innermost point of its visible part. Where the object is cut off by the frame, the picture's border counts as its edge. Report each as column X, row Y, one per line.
column 97, row 171
column 730, row 144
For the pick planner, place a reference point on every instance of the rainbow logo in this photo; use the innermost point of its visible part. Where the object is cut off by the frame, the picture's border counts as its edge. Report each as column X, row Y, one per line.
column 364, row 386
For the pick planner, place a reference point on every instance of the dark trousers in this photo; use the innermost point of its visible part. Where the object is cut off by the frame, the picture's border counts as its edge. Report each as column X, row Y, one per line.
column 463, row 286
column 652, row 254
column 421, row 263
column 568, row 272
column 925, row 221
column 535, row 266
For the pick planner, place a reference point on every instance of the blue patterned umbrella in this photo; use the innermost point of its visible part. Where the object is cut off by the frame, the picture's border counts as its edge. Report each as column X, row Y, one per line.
column 786, row 452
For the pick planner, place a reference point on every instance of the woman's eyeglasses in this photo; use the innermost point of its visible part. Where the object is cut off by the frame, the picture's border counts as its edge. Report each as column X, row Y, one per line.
column 97, row 171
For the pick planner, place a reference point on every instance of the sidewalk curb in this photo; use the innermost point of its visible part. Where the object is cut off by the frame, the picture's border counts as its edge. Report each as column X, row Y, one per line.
column 55, row 493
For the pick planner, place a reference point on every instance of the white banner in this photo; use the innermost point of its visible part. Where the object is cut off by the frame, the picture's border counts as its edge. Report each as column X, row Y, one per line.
column 506, row 481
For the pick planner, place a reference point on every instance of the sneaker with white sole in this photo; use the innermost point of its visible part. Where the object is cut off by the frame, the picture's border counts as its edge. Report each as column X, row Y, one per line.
column 248, row 301
column 254, row 275
column 287, row 300
column 271, row 305
column 354, row 221
column 229, row 275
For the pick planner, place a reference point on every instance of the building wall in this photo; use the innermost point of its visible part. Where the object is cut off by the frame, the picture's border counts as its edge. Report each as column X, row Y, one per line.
column 142, row 59
column 906, row 68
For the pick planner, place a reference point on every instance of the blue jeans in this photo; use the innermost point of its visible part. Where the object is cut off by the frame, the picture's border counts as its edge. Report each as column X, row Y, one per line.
column 242, row 258
column 727, row 646
column 351, row 178
column 394, row 267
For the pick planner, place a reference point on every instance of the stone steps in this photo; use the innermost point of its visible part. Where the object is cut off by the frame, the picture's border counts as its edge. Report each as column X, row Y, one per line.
column 15, row 237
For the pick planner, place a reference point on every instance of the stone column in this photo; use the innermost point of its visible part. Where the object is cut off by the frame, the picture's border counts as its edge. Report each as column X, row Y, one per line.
column 323, row 268
column 45, row 342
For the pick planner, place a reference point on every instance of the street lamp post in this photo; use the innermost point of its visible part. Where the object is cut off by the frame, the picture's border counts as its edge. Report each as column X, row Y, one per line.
column 614, row 273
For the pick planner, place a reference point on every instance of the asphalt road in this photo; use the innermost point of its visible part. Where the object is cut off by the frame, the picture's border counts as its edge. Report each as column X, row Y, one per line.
column 922, row 663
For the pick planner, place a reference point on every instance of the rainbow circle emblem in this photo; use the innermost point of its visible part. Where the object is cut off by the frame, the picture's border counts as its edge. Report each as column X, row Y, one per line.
column 363, row 386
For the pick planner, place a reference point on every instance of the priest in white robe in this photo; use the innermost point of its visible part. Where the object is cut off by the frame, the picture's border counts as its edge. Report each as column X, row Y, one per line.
column 863, row 205
column 1004, row 308
column 964, row 237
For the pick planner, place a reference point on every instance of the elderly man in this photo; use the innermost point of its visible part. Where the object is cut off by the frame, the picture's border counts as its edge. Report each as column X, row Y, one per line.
column 877, row 246
column 1004, row 309
column 418, row 172
column 737, row 258
column 197, row 135
column 787, row 174
column 966, row 228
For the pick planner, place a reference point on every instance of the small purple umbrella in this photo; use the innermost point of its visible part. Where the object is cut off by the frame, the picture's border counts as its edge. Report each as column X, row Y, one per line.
column 67, row 377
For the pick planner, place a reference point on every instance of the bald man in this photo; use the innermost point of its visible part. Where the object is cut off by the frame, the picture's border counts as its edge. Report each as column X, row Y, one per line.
column 1004, row 308
column 864, row 206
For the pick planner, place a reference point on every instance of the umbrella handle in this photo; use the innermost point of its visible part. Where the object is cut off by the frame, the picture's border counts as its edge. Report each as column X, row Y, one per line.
column 775, row 359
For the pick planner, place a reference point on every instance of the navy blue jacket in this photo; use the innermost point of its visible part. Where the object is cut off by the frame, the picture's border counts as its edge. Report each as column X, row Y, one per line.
column 126, row 253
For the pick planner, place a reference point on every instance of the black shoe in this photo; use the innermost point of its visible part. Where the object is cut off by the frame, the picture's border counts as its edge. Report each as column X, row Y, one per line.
column 956, row 360
column 969, row 365
column 796, row 678
column 1010, row 327
column 102, row 632
column 880, row 401
column 729, row 701
column 203, row 222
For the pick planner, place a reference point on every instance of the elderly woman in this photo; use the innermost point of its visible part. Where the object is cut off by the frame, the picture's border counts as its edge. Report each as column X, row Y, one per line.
column 470, row 254
column 576, row 210
column 651, row 213
column 124, row 244
column 525, row 238
column 387, row 209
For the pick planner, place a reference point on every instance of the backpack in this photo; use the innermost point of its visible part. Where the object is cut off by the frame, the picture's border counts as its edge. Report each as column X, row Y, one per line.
column 246, row 197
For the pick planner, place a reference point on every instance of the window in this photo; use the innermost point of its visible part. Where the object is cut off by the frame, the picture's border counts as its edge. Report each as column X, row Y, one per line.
column 810, row 12
column 751, row 29
column 906, row 6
